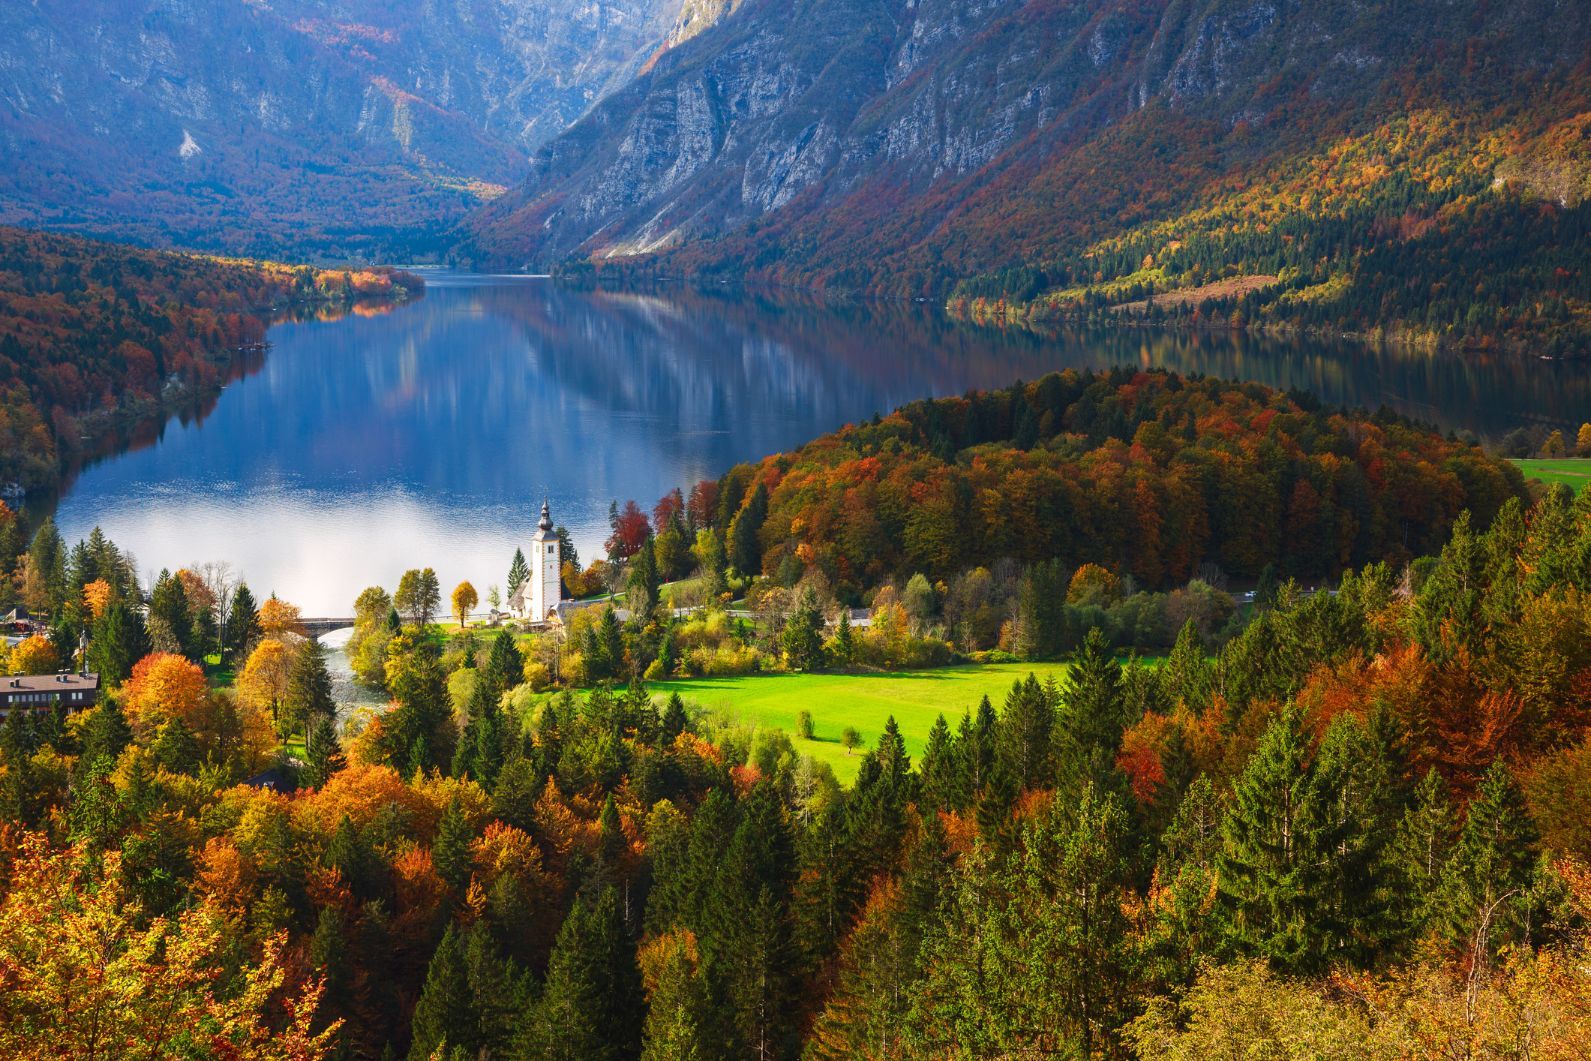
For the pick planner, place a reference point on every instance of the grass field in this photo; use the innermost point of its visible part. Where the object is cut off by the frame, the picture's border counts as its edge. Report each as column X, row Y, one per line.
column 863, row 701
column 1573, row 473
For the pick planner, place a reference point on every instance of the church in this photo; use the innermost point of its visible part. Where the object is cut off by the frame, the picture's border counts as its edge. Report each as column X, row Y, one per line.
column 538, row 598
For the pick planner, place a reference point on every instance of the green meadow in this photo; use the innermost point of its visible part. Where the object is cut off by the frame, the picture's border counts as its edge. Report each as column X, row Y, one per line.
column 1571, row 472
column 861, row 701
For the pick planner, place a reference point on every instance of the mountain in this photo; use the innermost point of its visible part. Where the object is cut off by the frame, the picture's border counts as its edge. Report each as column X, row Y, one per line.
column 908, row 146
column 319, row 127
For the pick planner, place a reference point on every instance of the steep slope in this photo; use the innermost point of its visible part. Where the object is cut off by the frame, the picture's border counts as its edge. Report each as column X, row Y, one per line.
column 905, row 145
column 326, row 126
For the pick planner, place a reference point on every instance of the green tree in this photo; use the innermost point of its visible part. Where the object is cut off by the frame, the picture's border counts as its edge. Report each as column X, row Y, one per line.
column 1487, row 883
column 309, row 695
column 643, row 581
column 518, row 573
column 1026, row 740
column 322, row 753
column 452, row 853
column 745, row 543
column 444, row 1018
column 419, row 596
column 1091, row 719
column 242, row 624
column 802, row 637
column 118, row 642
column 591, row 1005
column 168, row 606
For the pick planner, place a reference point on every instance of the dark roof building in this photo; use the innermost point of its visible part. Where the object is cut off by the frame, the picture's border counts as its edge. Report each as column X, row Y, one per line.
column 39, row 692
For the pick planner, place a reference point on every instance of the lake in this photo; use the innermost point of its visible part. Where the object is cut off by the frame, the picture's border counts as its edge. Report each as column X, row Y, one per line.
column 428, row 435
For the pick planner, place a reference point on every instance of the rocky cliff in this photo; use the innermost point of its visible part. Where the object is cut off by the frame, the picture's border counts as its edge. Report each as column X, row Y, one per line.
column 903, row 144
column 275, row 126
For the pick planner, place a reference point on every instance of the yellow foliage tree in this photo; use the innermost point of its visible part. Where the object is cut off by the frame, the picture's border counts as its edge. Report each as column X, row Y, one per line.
column 263, row 682
column 464, row 601
column 1582, row 442
column 279, row 619
column 36, row 655
column 96, row 597
column 164, row 686
column 85, row 975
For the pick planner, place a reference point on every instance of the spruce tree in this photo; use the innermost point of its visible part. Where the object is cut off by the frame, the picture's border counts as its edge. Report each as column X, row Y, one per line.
column 1275, row 891
column 175, row 749
column 1026, row 744
column 451, row 853
column 802, row 637
column 518, row 572
column 242, row 624
column 591, row 1005
column 105, row 732
column 444, row 1018
column 674, row 721
column 940, row 788
column 118, row 642
column 1091, row 720
column 168, row 603
column 842, row 647
column 322, row 753
column 1421, row 850
column 1485, row 889
column 505, row 666
column 309, row 695
column 679, row 1016
column 745, row 544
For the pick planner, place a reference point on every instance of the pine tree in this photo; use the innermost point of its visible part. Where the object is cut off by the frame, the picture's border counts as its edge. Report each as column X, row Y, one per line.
column 168, row 603
column 105, row 732
column 674, row 721
column 1026, row 742
column 444, row 1018
column 1185, row 675
column 451, row 853
column 802, row 637
column 591, row 1004
column 322, row 752
column 309, row 695
column 1421, row 850
column 1485, row 888
column 940, row 787
column 518, row 573
column 643, row 581
column 1275, row 894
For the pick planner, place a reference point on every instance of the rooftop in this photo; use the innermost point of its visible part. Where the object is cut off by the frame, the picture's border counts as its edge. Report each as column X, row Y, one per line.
column 48, row 683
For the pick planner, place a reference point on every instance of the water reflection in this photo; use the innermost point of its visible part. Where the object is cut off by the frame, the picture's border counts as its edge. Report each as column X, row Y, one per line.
column 429, row 435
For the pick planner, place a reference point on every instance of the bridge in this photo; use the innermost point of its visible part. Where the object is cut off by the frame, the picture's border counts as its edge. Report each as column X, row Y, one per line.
column 321, row 626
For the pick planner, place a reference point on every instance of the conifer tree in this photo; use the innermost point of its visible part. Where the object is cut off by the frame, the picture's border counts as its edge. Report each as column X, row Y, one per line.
column 444, row 1018
column 591, row 1004
column 1421, row 849
column 1275, row 893
column 802, row 637
column 745, row 544
column 1486, row 885
column 674, row 721
column 504, row 665
column 451, row 852
column 679, row 1016
column 117, row 643
column 842, row 646
column 1091, row 720
column 1185, row 675
column 1026, row 745
column 322, row 753
column 175, row 749
column 105, row 732
column 309, row 694
column 938, row 769
column 242, row 623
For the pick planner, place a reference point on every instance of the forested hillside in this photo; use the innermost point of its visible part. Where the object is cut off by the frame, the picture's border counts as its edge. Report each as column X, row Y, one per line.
column 1415, row 170
column 95, row 336
column 1147, row 474
column 1356, row 826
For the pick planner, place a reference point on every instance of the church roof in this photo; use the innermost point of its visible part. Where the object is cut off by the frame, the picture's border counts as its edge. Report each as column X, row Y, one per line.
column 544, row 528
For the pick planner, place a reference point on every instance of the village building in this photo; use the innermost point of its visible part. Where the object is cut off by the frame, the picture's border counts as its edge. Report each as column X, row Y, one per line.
column 39, row 692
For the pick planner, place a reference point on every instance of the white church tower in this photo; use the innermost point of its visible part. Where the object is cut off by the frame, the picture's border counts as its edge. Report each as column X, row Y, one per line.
column 545, row 589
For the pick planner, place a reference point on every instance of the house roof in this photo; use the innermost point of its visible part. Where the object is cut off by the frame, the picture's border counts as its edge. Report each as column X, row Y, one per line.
column 49, row 683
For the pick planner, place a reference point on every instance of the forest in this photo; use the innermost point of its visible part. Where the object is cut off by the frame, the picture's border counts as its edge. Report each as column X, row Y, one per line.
column 95, row 336
column 1345, row 823
column 1145, row 473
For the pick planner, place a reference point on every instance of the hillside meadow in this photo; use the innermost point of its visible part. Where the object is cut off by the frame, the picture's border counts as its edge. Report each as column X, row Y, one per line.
column 862, row 701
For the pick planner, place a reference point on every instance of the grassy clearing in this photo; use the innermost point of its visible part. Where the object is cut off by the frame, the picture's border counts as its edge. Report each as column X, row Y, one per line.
column 1571, row 472
column 862, row 701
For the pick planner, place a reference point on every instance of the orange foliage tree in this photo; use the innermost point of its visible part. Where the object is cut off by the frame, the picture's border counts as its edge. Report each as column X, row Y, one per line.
column 165, row 686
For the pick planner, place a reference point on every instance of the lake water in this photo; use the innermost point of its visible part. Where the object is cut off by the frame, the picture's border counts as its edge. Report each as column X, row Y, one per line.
column 428, row 435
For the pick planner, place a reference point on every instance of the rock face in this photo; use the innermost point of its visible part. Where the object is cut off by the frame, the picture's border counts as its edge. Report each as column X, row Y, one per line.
column 763, row 143
column 280, row 126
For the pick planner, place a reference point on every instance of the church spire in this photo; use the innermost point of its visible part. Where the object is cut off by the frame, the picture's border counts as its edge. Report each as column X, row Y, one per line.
column 546, row 517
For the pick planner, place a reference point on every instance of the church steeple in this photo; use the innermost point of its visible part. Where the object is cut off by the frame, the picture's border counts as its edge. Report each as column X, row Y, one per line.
column 546, row 518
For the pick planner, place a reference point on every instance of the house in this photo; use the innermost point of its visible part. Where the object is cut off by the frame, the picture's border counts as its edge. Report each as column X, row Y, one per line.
column 18, row 621
column 39, row 692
